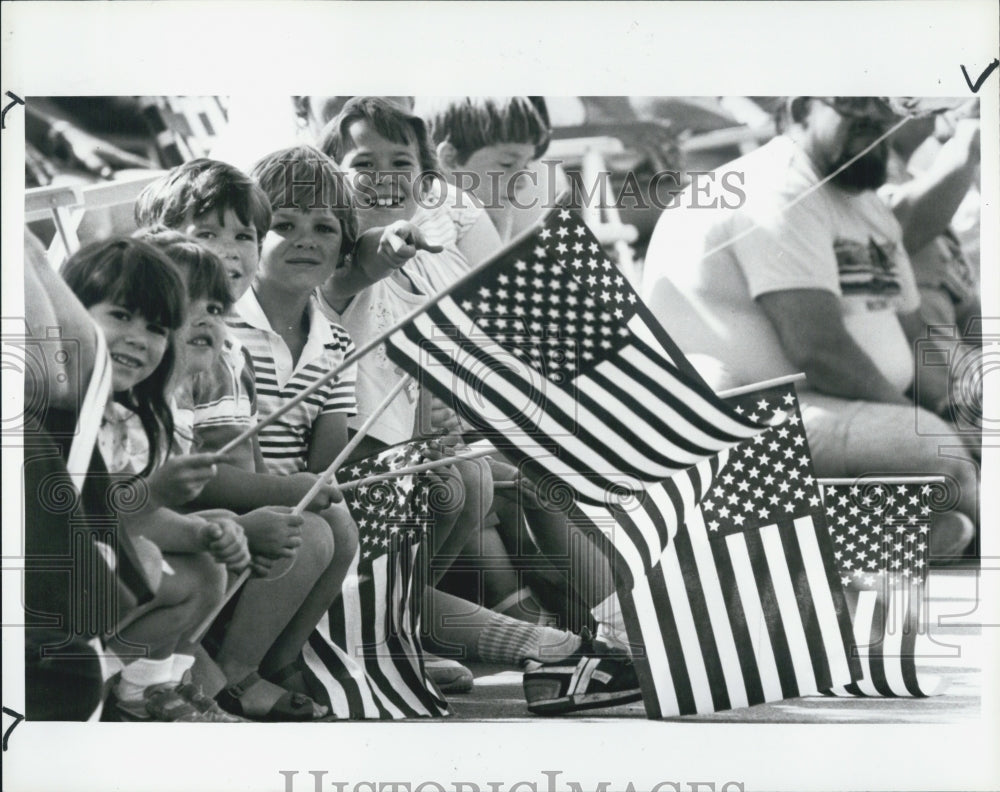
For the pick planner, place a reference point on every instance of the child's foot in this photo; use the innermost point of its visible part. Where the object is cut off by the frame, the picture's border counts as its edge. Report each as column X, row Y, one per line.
column 166, row 704
column 258, row 699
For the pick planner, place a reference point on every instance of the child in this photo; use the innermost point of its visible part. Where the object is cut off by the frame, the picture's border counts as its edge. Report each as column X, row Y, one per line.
column 387, row 156
column 489, row 145
column 134, row 295
column 302, row 546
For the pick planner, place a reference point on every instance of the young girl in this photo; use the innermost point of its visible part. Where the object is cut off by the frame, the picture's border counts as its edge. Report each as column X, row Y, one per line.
column 299, row 547
column 135, row 296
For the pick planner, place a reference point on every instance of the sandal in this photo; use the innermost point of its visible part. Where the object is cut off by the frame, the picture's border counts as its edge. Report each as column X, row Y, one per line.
column 290, row 707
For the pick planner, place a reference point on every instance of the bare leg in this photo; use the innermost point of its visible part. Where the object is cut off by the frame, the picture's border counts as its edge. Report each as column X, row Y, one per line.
column 345, row 546
column 264, row 609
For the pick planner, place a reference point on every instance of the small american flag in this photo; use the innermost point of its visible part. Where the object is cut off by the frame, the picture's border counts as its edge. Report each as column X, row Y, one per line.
column 366, row 653
column 880, row 536
column 745, row 605
column 549, row 350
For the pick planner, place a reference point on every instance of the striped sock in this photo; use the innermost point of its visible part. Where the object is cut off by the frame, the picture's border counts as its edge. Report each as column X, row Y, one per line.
column 512, row 642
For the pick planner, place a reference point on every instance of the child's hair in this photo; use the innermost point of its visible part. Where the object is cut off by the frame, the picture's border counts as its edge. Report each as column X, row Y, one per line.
column 470, row 123
column 205, row 275
column 141, row 279
column 388, row 119
column 198, row 187
column 290, row 178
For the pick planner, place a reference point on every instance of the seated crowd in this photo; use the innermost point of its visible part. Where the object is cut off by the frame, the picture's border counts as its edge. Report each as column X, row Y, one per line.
column 242, row 289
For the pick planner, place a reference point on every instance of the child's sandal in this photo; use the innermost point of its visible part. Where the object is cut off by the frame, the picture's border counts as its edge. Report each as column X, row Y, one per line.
column 290, row 707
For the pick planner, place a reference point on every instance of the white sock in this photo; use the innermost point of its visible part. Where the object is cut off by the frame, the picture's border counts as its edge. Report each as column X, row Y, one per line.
column 141, row 674
column 611, row 623
column 512, row 641
column 181, row 665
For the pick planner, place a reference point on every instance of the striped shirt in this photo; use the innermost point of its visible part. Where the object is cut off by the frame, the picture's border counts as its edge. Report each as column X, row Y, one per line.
column 285, row 443
column 222, row 404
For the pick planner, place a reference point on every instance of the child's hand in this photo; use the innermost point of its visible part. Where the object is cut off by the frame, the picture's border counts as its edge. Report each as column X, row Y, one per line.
column 400, row 242
column 224, row 539
column 273, row 531
column 328, row 494
column 445, row 425
column 180, row 479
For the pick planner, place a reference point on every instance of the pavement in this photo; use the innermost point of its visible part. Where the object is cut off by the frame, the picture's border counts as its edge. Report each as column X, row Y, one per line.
column 952, row 650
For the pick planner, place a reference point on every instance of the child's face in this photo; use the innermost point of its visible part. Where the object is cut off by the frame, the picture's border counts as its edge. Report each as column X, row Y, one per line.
column 386, row 169
column 302, row 249
column 232, row 241
column 494, row 167
column 202, row 335
column 136, row 345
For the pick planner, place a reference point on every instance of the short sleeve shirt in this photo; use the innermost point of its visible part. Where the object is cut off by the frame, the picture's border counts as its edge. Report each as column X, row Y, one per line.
column 285, row 443
column 706, row 267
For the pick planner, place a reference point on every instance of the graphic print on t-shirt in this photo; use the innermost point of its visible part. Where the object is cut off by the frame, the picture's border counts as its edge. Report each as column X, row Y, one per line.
column 868, row 270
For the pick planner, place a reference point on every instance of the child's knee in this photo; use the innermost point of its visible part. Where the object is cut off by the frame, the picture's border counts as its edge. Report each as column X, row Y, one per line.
column 317, row 540
column 343, row 529
column 477, row 481
column 446, row 491
column 199, row 576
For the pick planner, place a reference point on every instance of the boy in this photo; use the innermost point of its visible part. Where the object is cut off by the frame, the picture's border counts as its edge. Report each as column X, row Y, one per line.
column 486, row 146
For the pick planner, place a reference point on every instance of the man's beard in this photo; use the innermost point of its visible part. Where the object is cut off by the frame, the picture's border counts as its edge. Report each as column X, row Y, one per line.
column 867, row 173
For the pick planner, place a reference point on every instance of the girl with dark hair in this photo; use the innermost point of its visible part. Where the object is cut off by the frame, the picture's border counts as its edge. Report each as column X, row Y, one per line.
column 136, row 297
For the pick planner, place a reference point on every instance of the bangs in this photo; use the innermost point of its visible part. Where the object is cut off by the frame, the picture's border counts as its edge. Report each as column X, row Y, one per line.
column 199, row 187
column 304, row 178
column 129, row 273
column 203, row 270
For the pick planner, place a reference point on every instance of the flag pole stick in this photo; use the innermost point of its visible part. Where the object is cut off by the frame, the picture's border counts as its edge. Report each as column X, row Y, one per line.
column 359, row 353
column 771, row 383
column 348, row 449
column 871, row 479
column 202, row 628
column 443, row 462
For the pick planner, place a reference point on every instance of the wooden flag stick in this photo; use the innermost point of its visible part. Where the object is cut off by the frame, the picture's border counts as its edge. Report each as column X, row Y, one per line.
column 872, row 479
column 202, row 628
column 348, row 449
column 444, row 461
column 359, row 353
column 771, row 383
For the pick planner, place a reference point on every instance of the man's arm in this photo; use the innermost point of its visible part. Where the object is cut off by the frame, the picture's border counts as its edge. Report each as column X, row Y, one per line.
column 925, row 205
column 811, row 330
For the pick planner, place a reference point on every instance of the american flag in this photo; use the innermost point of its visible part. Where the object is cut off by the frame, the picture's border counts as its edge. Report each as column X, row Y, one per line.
column 550, row 351
column 880, row 536
column 366, row 653
column 745, row 605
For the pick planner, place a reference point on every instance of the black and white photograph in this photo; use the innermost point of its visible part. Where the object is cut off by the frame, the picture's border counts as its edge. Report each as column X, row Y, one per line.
column 630, row 432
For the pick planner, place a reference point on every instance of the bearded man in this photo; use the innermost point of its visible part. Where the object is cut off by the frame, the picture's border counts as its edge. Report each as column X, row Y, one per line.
column 809, row 274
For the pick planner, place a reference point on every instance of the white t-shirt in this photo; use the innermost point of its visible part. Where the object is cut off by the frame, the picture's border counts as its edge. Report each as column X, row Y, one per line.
column 444, row 219
column 369, row 314
column 845, row 243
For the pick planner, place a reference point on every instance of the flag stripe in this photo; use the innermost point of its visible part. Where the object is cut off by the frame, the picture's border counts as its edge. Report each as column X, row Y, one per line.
column 650, row 656
column 672, row 576
column 695, row 582
column 567, row 464
column 664, row 615
column 778, row 543
column 743, row 571
column 729, row 660
column 828, row 620
column 771, row 609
